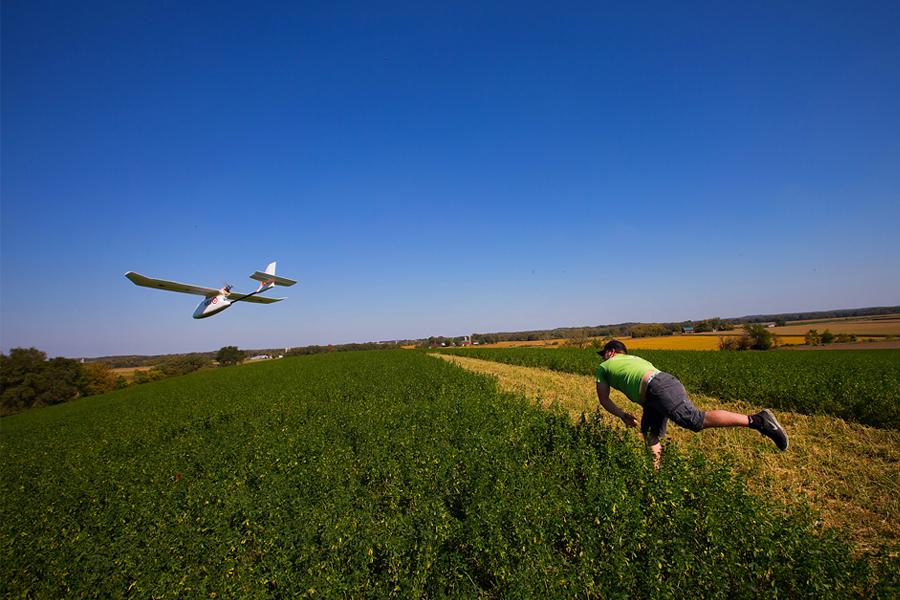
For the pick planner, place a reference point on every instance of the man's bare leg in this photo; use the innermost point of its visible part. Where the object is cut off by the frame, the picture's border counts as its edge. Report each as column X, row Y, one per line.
column 723, row 418
column 764, row 422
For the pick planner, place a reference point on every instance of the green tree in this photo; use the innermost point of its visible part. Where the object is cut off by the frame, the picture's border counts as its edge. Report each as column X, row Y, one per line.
column 98, row 379
column 812, row 338
column 28, row 379
column 578, row 342
column 148, row 375
column 702, row 327
column 229, row 355
column 760, row 337
column 649, row 330
column 180, row 365
column 735, row 342
column 63, row 379
column 827, row 337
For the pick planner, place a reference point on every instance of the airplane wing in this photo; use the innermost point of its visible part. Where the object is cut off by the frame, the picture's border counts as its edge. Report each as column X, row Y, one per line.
column 171, row 286
column 235, row 296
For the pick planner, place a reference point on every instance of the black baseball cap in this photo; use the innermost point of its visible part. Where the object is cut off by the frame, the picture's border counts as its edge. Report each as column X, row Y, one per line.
column 613, row 345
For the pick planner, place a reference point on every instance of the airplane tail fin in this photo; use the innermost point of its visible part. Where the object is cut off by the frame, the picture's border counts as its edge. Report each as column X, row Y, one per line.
column 269, row 278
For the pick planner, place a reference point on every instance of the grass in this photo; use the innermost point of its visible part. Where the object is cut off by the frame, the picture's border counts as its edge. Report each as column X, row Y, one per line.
column 846, row 471
column 381, row 474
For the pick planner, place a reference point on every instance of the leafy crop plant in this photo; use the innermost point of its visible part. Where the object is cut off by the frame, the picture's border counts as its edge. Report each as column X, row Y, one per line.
column 380, row 474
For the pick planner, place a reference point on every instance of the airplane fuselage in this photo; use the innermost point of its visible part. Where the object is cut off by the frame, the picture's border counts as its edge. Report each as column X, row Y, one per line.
column 211, row 306
column 216, row 300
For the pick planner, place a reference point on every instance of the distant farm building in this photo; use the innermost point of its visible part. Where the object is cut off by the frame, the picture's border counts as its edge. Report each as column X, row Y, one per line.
column 687, row 329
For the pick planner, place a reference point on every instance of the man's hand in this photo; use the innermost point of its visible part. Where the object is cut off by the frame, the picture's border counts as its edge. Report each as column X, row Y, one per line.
column 610, row 406
column 629, row 420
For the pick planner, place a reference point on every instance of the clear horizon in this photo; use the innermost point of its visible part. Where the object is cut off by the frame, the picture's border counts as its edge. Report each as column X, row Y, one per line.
column 455, row 335
column 442, row 171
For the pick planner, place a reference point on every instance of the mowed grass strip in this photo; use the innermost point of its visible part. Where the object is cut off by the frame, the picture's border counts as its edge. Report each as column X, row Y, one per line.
column 846, row 471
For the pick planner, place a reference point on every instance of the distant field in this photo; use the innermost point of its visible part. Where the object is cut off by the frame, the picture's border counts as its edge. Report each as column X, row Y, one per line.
column 859, row 327
column 526, row 343
column 865, row 328
column 693, row 341
column 814, row 322
column 128, row 372
column 664, row 342
column 878, row 326
column 864, row 345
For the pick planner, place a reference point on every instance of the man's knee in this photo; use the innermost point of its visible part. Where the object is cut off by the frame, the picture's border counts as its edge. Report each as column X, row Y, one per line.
column 689, row 416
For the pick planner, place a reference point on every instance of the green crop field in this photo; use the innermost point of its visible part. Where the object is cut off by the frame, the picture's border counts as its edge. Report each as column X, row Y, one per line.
column 386, row 474
column 862, row 385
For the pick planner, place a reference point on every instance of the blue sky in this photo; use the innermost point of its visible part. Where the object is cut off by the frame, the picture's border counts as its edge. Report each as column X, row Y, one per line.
column 438, row 171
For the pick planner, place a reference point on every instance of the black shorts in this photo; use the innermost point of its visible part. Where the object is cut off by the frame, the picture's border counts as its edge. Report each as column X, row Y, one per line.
column 667, row 399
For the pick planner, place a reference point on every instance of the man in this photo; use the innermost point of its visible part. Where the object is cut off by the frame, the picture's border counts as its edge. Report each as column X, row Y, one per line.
column 663, row 397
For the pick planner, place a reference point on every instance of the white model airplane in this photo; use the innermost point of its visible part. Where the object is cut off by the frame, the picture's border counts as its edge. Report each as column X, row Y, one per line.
column 217, row 300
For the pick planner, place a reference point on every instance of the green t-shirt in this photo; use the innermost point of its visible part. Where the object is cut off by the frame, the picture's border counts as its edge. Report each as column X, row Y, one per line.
column 624, row 372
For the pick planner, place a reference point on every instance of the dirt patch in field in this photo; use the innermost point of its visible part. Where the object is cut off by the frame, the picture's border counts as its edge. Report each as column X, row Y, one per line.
column 883, row 326
column 526, row 343
column 128, row 372
column 847, row 472
column 882, row 345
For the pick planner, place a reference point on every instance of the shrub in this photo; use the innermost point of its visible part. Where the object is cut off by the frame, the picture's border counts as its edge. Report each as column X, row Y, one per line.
column 735, row 342
column 760, row 337
column 28, row 380
column 229, row 355
column 98, row 379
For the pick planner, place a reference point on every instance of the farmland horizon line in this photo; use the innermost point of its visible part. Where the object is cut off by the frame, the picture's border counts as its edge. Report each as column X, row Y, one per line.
column 837, row 313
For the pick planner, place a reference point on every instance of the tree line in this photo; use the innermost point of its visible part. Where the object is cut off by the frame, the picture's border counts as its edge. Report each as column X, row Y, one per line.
column 28, row 379
column 610, row 331
column 631, row 329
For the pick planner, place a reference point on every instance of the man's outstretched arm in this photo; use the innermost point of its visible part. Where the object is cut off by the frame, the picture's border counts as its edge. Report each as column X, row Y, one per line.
column 611, row 407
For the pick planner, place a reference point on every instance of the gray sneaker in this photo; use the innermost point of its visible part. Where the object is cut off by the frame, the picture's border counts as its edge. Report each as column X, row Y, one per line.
column 771, row 428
